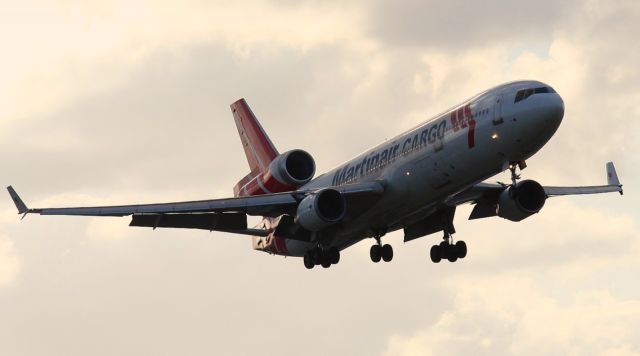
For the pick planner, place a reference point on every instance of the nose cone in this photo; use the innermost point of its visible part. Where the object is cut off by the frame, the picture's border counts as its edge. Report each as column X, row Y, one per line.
column 535, row 120
column 553, row 111
column 544, row 114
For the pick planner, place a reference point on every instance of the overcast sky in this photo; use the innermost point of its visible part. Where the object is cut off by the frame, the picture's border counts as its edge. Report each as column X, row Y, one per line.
column 128, row 101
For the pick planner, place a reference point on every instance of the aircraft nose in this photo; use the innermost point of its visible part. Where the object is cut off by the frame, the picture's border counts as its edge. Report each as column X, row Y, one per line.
column 548, row 111
column 555, row 110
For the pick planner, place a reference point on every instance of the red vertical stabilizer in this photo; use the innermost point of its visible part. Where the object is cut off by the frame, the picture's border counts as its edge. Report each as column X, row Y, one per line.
column 258, row 148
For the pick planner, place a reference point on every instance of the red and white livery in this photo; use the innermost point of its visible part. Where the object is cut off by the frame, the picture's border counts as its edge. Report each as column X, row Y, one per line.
column 412, row 182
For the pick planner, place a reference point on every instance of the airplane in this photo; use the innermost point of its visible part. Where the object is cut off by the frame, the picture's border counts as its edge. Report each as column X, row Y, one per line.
column 412, row 182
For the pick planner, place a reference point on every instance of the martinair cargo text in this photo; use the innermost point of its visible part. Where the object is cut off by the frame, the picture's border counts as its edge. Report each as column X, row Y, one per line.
column 412, row 182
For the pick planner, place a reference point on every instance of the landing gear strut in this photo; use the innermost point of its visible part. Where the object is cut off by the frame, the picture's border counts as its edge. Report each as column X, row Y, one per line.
column 512, row 167
column 319, row 256
column 379, row 251
column 448, row 250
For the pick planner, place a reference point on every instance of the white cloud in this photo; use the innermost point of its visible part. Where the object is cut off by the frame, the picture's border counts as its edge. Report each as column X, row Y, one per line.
column 510, row 315
column 68, row 51
column 108, row 228
column 9, row 261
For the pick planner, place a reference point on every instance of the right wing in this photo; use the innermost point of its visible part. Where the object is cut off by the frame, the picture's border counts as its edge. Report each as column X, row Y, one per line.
column 228, row 215
column 266, row 205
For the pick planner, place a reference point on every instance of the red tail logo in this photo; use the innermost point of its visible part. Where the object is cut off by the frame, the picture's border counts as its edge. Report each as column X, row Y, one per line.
column 258, row 148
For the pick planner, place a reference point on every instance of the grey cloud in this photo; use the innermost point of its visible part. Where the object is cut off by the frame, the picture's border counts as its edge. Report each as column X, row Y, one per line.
column 170, row 125
column 461, row 25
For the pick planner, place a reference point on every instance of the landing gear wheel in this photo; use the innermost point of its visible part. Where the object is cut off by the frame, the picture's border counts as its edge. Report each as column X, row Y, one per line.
column 316, row 256
column 375, row 253
column 443, row 248
column 435, row 253
column 452, row 254
column 461, row 249
column 334, row 255
column 448, row 251
column 387, row 253
column 308, row 260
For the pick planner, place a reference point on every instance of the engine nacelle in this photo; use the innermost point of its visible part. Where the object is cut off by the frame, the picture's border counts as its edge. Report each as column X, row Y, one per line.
column 288, row 171
column 293, row 168
column 523, row 200
column 321, row 210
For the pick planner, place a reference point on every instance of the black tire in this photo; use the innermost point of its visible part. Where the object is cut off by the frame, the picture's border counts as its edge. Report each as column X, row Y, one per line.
column 452, row 256
column 444, row 250
column 461, row 249
column 334, row 255
column 316, row 256
column 435, row 253
column 375, row 253
column 308, row 261
column 387, row 253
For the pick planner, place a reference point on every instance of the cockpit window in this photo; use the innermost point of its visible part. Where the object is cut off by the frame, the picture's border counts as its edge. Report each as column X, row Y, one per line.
column 525, row 93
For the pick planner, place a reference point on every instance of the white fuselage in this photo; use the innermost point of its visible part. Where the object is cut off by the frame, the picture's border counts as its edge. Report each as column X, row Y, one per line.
column 423, row 167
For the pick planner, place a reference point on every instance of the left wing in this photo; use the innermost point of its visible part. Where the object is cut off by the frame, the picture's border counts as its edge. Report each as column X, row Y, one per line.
column 613, row 185
column 485, row 195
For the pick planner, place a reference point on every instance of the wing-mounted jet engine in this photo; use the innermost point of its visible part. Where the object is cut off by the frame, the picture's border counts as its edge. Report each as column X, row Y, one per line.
column 321, row 210
column 519, row 201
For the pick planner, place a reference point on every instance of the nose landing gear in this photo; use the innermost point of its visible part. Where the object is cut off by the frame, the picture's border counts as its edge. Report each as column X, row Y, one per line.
column 514, row 175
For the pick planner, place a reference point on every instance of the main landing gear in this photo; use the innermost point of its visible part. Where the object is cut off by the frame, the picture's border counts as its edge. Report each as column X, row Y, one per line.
column 448, row 250
column 319, row 256
column 379, row 251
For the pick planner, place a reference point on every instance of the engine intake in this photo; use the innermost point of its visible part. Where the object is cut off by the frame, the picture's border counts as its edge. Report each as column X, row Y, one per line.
column 294, row 168
column 523, row 200
column 321, row 210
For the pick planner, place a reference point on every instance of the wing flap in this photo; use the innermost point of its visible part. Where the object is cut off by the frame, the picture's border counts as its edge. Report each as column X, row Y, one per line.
column 226, row 222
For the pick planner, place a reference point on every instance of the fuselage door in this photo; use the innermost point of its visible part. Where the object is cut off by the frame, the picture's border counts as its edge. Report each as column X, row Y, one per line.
column 497, row 110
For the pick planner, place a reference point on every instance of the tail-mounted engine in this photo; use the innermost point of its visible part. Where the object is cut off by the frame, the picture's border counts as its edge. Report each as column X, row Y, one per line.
column 293, row 168
column 321, row 210
column 521, row 201
column 288, row 171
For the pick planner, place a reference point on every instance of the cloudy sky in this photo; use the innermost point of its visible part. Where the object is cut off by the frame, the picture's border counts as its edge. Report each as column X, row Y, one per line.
column 128, row 101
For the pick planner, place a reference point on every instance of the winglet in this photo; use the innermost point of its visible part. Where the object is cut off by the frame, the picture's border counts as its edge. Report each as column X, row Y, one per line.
column 22, row 207
column 612, row 176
